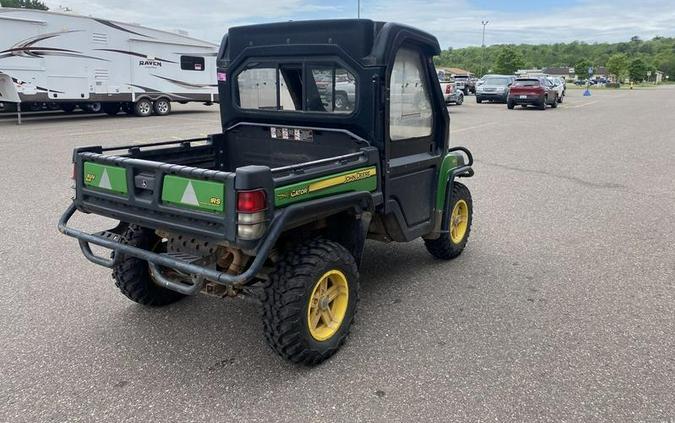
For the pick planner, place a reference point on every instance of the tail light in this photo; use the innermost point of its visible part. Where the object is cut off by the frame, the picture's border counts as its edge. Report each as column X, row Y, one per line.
column 251, row 206
column 448, row 88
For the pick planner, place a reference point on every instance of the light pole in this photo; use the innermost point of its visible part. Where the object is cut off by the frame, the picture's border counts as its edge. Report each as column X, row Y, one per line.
column 358, row 9
column 484, row 22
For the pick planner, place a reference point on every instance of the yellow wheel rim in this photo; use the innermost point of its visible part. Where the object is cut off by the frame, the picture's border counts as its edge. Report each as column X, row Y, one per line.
column 459, row 221
column 327, row 305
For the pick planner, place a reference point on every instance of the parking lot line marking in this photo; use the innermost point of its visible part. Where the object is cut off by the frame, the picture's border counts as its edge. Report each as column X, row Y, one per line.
column 469, row 128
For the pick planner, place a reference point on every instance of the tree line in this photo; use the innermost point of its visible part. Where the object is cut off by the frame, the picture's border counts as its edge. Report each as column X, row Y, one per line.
column 633, row 59
column 24, row 4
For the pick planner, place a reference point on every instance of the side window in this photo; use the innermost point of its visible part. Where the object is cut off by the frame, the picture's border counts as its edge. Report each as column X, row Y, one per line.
column 192, row 63
column 409, row 104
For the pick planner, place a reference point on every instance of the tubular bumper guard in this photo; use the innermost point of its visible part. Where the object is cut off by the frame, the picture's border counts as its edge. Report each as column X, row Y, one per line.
column 197, row 272
column 464, row 171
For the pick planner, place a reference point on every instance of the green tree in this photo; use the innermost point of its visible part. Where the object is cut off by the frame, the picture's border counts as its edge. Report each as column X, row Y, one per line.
column 617, row 65
column 508, row 61
column 581, row 68
column 24, row 4
column 637, row 70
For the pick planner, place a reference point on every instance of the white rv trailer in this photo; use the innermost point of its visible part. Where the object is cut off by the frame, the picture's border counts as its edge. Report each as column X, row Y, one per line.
column 66, row 60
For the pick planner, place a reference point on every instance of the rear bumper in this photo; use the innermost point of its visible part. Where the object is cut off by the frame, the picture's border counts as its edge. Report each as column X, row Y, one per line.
column 492, row 96
column 284, row 218
column 516, row 99
column 451, row 98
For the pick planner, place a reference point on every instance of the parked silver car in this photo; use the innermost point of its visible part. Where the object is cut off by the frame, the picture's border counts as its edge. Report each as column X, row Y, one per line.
column 494, row 88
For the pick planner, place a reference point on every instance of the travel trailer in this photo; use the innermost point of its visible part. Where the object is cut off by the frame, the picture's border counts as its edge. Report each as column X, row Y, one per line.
column 59, row 60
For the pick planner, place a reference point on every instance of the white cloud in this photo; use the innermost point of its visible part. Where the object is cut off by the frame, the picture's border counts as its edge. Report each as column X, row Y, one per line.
column 455, row 22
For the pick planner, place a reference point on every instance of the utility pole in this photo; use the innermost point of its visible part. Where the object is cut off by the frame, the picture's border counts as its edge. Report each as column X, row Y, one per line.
column 484, row 22
column 358, row 9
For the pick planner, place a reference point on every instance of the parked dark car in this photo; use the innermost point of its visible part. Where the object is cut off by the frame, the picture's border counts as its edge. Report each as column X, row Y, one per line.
column 532, row 91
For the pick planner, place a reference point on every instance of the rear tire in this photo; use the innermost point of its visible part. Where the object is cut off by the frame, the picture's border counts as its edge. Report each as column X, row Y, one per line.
column 479, row 100
column 542, row 105
column 162, row 107
column 510, row 105
column 554, row 105
column 298, row 292
column 450, row 245
column 132, row 275
column 143, row 108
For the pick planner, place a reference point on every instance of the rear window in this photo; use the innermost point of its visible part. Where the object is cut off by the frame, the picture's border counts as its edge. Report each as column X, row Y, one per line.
column 497, row 81
column 526, row 83
column 296, row 87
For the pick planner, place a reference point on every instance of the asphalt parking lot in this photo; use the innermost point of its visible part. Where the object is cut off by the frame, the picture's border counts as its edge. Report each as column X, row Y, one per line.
column 562, row 308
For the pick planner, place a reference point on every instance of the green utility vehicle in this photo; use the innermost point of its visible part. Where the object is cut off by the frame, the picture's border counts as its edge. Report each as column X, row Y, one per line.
column 333, row 132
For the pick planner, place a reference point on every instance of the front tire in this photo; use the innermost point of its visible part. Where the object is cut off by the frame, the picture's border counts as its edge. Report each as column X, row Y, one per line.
column 132, row 275
column 479, row 100
column 310, row 300
column 451, row 244
column 460, row 100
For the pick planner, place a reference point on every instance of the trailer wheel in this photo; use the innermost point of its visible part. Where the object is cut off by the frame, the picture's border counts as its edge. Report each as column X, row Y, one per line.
column 310, row 300
column 111, row 109
column 450, row 245
column 94, row 107
column 162, row 107
column 143, row 108
column 132, row 275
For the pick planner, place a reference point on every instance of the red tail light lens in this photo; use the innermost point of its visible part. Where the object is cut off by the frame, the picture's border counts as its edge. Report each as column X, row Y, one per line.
column 251, row 201
column 448, row 89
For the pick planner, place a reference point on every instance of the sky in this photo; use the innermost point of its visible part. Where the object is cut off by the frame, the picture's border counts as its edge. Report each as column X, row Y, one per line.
column 456, row 23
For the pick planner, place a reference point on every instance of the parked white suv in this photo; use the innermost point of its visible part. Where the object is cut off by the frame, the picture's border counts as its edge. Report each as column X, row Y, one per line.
column 559, row 85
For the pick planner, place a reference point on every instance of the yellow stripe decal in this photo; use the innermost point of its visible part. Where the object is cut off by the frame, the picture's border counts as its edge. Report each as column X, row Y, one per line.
column 342, row 179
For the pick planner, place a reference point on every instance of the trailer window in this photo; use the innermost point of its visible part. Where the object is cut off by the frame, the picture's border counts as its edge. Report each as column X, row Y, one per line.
column 409, row 104
column 301, row 87
column 192, row 63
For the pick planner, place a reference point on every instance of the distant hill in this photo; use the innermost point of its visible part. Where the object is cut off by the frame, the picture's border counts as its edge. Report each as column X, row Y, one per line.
column 657, row 53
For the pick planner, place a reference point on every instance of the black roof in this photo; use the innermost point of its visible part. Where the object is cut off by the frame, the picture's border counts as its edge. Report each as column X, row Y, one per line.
column 364, row 40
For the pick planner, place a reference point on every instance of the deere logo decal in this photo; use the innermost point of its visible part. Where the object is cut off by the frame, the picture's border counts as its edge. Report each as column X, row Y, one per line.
column 321, row 184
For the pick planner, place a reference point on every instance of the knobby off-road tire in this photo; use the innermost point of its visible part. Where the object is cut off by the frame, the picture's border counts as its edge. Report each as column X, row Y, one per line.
column 293, row 292
column 132, row 275
column 451, row 244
